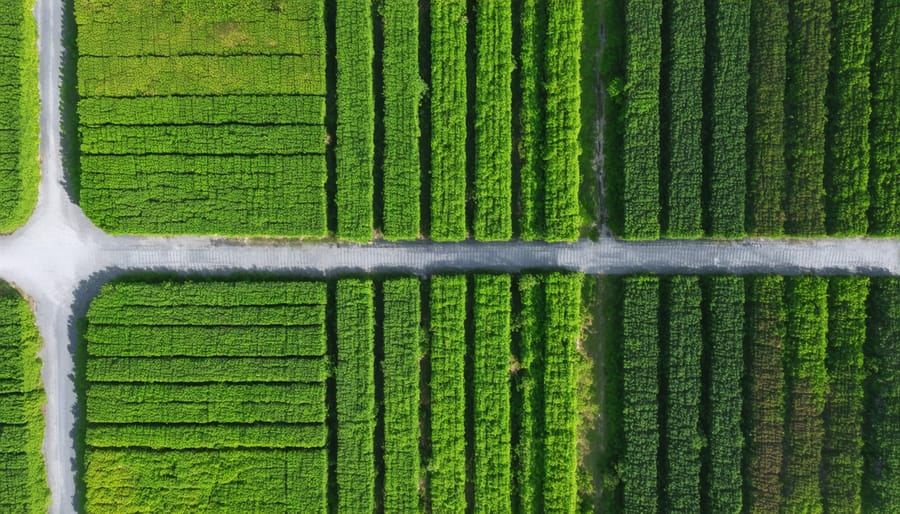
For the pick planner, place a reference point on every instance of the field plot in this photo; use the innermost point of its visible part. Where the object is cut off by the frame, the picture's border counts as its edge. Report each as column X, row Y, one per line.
column 19, row 109
column 213, row 396
column 774, row 394
column 206, row 397
column 763, row 118
column 200, row 120
column 23, row 482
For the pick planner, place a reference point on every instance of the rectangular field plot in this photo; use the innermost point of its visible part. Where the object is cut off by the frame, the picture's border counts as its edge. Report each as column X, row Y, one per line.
column 194, row 119
column 207, row 397
column 23, row 483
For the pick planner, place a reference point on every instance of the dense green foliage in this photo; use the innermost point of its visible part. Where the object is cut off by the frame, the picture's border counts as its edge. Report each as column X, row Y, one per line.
column 355, row 396
column 881, row 480
column 884, row 181
column 527, row 422
column 355, row 146
column 807, row 386
column 178, row 133
column 682, row 122
column 402, row 92
column 850, row 106
column 640, row 343
column 529, row 118
column 23, row 482
column 842, row 454
column 252, row 404
column 641, row 123
column 727, row 161
column 766, row 181
column 448, row 120
column 684, row 346
column 807, row 77
column 400, row 376
column 19, row 109
column 491, row 390
column 447, row 465
column 724, row 324
column 493, row 120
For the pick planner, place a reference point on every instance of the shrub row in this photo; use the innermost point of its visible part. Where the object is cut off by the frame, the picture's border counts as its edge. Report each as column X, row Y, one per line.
column 684, row 347
column 683, row 45
column 529, row 119
column 400, row 372
column 23, row 483
column 448, row 120
column 491, row 390
column 355, row 395
column 528, row 386
column 884, row 182
column 493, row 120
column 403, row 90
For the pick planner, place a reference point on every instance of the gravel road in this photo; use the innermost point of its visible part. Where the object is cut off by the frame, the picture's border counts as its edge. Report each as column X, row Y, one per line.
column 59, row 259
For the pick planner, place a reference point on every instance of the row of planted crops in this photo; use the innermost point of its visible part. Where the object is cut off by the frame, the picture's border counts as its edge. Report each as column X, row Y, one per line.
column 763, row 117
column 235, row 121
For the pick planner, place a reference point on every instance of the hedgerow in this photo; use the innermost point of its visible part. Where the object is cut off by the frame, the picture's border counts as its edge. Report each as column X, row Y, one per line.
column 682, row 399
column 355, row 395
column 724, row 326
column 727, row 150
column 560, row 435
column 400, row 372
column 881, row 432
column 527, row 410
column 493, row 120
column 807, row 77
column 766, row 183
column 847, row 132
column 19, row 115
column 490, row 386
column 447, row 463
column 683, row 118
column 448, row 120
column 842, row 453
column 529, row 122
column 403, row 90
column 641, row 119
column 560, row 147
column 766, row 326
column 884, row 180
column 355, row 146
column 807, row 386
column 200, row 406
column 640, row 355
column 23, row 482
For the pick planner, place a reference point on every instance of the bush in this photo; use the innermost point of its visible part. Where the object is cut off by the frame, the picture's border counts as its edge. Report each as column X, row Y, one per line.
column 530, row 122
column 528, row 388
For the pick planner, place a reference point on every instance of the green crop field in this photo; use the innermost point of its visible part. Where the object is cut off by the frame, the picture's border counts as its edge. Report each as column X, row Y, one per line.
column 760, row 118
column 265, row 118
column 19, row 109
column 23, row 480
column 285, row 396
column 774, row 394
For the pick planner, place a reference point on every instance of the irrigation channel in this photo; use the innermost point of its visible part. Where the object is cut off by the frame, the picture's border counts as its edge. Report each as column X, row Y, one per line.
column 59, row 259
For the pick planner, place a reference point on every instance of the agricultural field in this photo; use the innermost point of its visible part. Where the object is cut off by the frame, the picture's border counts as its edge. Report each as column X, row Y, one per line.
column 235, row 121
column 752, row 394
column 19, row 109
column 768, row 118
column 355, row 394
column 23, row 479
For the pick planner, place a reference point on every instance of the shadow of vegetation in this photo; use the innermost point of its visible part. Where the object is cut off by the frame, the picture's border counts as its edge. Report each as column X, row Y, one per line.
column 68, row 97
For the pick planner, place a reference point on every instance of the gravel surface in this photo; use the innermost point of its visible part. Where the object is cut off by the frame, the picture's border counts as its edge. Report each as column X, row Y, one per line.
column 59, row 259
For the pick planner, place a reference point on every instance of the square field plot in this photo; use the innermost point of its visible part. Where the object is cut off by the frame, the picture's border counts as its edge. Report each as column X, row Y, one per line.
column 203, row 120
column 206, row 397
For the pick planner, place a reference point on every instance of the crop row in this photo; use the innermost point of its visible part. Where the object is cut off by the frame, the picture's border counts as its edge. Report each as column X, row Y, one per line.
column 819, row 399
column 811, row 102
column 23, row 485
column 19, row 106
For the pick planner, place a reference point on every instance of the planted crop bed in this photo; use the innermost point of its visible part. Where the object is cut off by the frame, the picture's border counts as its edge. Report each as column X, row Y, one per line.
column 773, row 393
column 23, row 482
column 200, row 120
column 19, row 107
column 763, row 118
column 218, row 396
